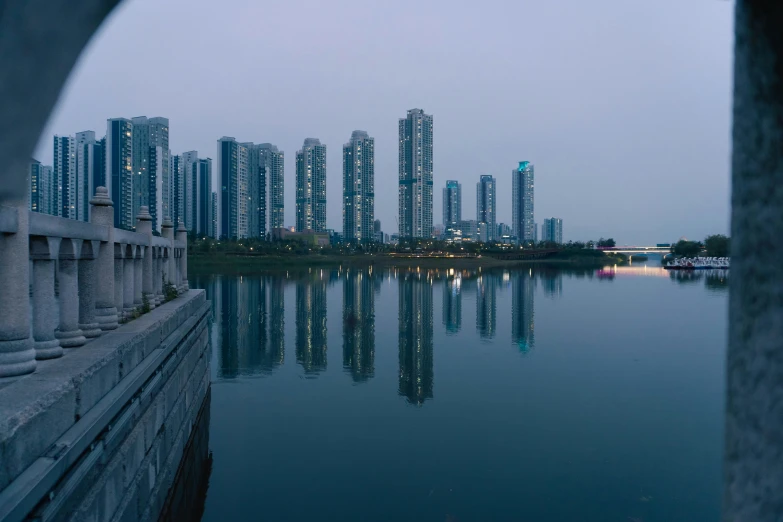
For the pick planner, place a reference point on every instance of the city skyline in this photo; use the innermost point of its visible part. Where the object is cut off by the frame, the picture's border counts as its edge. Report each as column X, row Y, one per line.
column 590, row 125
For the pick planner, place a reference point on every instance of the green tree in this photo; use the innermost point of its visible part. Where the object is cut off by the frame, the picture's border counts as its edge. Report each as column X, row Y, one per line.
column 606, row 243
column 687, row 248
column 717, row 245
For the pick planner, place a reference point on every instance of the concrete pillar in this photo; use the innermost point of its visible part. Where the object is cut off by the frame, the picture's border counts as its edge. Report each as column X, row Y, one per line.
column 17, row 356
column 46, row 317
column 119, row 280
column 753, row 474
column 137, row 275
column 128, row 277
column 102, row 213
column 144, row 226
column 182, row 235
column 68, row 333
column 87, row 321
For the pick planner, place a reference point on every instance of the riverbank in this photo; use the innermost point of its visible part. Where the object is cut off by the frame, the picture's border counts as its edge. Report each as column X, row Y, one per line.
column 246, row 264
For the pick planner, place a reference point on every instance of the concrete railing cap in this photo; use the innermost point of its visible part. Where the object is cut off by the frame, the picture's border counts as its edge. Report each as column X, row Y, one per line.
column 144, row 214
column 102, row 197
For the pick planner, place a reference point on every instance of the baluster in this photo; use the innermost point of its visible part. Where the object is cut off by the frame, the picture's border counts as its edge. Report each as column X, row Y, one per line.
column 102, row 213
column 182, row 235
column 43, row 252
column 167, row 231
column 17, row 355
column 137, row 275
column 127, row 281
column 119, row 280
column 68, row 333
column 87, row 322
column 144, row 226
column 158, row 275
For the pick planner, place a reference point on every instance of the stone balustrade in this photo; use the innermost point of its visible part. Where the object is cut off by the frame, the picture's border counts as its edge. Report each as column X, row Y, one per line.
column 77, row 280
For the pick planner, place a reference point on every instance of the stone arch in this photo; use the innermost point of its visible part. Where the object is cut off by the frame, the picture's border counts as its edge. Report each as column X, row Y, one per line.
column 70, row 248
column 90, row 250
column 41, row 41
column 43, row 247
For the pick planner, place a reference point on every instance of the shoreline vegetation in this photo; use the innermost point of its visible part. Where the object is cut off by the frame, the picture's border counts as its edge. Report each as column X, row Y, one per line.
column 243, row 263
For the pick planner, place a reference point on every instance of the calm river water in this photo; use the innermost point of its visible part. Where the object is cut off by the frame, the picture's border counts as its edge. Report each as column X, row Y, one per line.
column 531, row 395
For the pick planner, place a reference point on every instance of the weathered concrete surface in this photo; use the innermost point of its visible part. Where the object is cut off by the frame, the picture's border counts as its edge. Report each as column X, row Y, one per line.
column 37, row 409
column 17, row 355
column 753, row 466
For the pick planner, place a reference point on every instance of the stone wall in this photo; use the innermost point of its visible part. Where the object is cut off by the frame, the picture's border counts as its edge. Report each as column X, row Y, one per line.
column 99, row 433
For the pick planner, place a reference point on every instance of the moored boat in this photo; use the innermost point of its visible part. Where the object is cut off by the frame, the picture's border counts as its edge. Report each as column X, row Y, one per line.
column 699, row 263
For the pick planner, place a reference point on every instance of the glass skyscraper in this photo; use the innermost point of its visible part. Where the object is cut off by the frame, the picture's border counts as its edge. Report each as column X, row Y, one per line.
column 415, row 174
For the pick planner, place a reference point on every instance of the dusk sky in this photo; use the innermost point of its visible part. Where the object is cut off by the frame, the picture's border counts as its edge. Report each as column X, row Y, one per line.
column 623, row 106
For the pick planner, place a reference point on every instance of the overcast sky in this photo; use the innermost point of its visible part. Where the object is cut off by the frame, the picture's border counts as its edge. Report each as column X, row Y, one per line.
column 622, row 105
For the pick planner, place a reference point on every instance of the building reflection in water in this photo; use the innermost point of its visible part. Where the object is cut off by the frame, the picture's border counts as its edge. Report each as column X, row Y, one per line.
column 415, row 337
column 523, row 293
column 244, row 326
column 452, row 304
column 276, row 317
column 486, row 304
column 553, row 284
column 228, row 356
column 359, row 324
column 311, row 323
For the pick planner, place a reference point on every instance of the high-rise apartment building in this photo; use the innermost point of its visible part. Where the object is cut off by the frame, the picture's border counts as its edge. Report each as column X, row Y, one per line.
column 202, row 200
column 174, row 205
column 42, row 189
column 214, row 230
column 66, row 181
column 234, row 193
column 272, row 161
column 522, row 201
column 257, row 194
column 185, row 188
column 486, row 205
column 150, row 163
column 311, row 186
column 119, row 170
column 359, row 188
column 90, row 170
column 552, row 230
column 415, row 174
column 250, row 194
column 452, row 204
